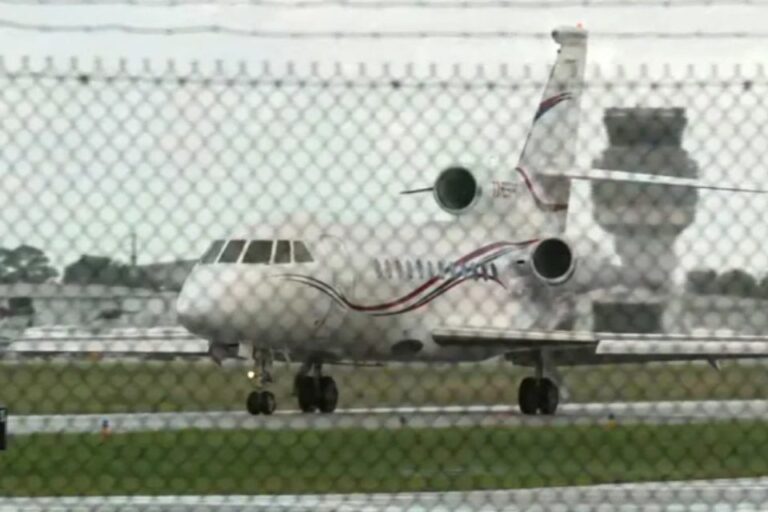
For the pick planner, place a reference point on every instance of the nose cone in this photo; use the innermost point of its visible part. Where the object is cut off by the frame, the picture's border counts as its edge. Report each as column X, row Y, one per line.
column 208, row 305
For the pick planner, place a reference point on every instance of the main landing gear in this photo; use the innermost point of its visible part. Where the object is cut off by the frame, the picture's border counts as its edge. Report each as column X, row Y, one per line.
column 261, row 401
column 315, row 391
column 538, row 394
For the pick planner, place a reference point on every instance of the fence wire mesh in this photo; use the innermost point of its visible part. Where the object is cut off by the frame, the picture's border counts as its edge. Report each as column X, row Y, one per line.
column 296, row 283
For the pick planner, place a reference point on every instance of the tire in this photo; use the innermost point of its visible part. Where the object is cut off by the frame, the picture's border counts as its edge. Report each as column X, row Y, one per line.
column 267, row 403
column 548, row 397
column 305, row 392
column 253, row 403
column 328, row 396
column 528, row 396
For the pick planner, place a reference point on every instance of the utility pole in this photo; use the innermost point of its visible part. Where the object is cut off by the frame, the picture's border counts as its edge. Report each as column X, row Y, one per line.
column 133, row 249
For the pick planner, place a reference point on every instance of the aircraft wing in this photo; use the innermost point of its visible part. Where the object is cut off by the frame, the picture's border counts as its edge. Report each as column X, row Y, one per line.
column 706, row 345
column 113, row 341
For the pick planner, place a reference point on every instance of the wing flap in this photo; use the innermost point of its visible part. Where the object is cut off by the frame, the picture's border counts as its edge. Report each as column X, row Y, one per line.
column 480, row 337
column 703, row 344
column 683, row 348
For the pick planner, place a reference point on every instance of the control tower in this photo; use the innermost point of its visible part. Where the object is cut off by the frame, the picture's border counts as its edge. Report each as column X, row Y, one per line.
column 645, row 220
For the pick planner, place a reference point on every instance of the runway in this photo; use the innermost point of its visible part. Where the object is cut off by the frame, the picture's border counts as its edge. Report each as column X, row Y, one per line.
column 743, row 495
column 400, row 417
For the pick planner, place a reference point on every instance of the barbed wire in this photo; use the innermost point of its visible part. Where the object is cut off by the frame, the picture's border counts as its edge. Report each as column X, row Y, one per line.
column 340, row 34
column 266, row 76
column 378, row 4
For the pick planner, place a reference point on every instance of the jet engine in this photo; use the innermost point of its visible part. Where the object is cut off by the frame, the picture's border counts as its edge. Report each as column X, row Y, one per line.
column 551, row 261
column 456, row 190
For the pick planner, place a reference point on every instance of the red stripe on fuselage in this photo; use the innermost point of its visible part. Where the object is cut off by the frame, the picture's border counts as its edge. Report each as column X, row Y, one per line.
column 433, row 280
column 548, row 207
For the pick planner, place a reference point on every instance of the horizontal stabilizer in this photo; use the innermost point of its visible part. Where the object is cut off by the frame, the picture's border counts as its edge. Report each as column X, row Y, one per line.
column 648, row 179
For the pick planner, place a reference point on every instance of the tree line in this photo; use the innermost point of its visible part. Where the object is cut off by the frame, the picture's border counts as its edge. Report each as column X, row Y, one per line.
column 29, row 264
column 734, row 282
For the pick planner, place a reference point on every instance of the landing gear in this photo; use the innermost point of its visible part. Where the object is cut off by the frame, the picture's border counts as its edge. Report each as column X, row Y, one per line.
column 315, row 391
column 538, row 395
column 261, row 401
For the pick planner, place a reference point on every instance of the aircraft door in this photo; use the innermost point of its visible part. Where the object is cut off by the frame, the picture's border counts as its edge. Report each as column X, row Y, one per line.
column 338, row 272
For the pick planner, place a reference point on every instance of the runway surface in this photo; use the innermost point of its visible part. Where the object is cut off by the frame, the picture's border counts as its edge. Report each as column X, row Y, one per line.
column 714, row 495
column 401, row 417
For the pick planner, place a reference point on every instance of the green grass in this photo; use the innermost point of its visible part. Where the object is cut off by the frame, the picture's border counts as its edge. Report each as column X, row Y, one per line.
column 249, row 462
column 96, row 387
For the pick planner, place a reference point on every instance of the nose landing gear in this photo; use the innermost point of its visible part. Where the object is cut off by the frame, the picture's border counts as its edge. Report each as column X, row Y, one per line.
column 261, row 400
column 315, row 391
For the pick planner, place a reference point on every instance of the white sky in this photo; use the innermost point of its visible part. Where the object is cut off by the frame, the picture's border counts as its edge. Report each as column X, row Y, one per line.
column 169, row 179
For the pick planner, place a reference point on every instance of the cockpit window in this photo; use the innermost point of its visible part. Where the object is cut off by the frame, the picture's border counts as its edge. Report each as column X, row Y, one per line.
column 259, row 251
column 301, row 253
column 212, row 252
column 232, row 251
column 283, row 251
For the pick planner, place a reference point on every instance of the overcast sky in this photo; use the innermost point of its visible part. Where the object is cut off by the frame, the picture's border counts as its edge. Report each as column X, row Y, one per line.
column 185, row 166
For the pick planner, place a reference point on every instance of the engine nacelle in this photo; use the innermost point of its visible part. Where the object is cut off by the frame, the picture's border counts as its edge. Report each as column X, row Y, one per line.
column 456, row 190
column 552, row 261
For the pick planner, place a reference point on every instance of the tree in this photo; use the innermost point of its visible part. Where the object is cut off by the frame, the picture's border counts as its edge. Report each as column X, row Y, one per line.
column 737, row 282
column 762, row 288
column 105, row 271
column 25, row 264
column 701, row 281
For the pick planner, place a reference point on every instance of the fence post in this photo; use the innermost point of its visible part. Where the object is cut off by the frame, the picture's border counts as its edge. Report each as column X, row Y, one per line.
column 3, row 429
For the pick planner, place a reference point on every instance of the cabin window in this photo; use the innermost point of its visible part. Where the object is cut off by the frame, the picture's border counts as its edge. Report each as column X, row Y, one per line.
column 420, row 269
column 259, row 251
column 409, row 269
column 283, row 252
column 377, row 268
column 213, row 252
column 301, row 253
column 232, row 251
column 388, row 269
column 398, row 269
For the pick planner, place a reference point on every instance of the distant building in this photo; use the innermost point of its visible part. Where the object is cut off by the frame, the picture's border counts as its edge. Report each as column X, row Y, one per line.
column 75, row 304
column 644, row 220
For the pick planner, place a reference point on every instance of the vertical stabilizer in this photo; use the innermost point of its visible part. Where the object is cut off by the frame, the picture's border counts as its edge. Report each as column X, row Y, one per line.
column 552, row 139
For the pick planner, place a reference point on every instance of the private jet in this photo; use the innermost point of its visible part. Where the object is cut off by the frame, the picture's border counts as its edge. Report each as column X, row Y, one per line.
column 501, row 277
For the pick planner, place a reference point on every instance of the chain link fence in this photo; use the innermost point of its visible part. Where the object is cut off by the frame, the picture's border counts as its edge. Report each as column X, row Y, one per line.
column 312, row 283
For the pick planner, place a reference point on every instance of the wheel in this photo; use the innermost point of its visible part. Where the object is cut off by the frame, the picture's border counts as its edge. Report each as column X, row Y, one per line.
column 528, row 396
column 328, row 396
column 253, row 403
column 305, row 392
column 548, row 397
column 267, row 403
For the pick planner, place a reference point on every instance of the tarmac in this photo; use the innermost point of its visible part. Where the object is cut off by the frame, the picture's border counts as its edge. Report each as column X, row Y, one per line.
column 400, row 417
column 743, row 495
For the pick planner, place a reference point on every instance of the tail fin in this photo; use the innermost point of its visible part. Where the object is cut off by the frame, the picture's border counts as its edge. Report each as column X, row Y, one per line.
column 551, row 142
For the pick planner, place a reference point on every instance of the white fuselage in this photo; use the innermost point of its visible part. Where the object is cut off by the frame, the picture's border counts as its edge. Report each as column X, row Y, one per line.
column 370, row 293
